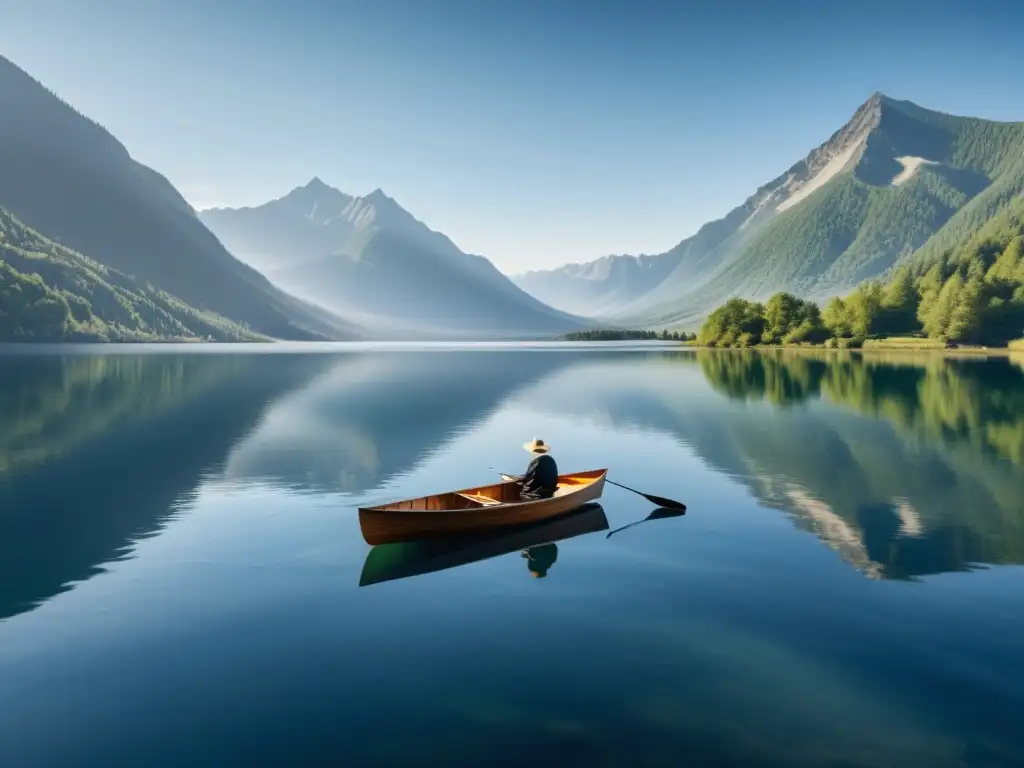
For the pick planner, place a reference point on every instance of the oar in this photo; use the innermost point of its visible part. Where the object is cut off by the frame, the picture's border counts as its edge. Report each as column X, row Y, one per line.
column 658, row 501
column 658, row 514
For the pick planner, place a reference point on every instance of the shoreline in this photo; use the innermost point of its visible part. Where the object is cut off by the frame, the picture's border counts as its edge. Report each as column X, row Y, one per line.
column 871, row 346
column 880, row 345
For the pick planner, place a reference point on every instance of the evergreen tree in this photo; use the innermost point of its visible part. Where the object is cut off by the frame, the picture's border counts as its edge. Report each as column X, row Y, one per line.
column 936, row 320
column 965, row 319
column 898, row 314
column 929, row 288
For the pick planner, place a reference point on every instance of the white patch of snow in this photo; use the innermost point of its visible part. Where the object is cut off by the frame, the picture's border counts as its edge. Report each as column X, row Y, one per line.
column 910, row 165
column 910, row 521
column 830, row 528
column 822, row 177
column 835, row 532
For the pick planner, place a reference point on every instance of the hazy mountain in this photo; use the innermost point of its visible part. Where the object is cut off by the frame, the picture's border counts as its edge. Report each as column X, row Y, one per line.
column 281, row 233
column 70, row 180
column 894, row 177
column 371, row 259
column 598, row 287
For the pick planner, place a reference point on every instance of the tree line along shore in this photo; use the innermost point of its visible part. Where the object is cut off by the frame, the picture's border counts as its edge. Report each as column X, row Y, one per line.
column 972, row 295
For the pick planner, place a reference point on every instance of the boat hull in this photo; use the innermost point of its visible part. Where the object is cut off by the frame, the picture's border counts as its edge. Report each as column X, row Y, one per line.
column 480, row 509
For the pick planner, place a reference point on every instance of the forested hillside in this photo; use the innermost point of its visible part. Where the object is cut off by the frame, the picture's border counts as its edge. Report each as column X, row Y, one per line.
column 969, row 294
column 51, row 293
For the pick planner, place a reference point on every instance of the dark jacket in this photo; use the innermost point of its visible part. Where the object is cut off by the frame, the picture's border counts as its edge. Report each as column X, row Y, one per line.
column 541, row 478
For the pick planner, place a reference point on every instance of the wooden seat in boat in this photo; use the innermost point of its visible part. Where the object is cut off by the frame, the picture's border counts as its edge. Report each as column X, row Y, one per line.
column 485, row 500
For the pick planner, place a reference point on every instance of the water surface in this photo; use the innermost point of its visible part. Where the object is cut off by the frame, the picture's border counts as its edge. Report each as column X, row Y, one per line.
column 180, row 560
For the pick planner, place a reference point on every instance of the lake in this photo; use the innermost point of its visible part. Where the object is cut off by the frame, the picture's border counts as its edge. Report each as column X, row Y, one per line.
column 183, row 580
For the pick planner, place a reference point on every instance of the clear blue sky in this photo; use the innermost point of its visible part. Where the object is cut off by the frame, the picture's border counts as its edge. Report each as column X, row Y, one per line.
column 534, row 132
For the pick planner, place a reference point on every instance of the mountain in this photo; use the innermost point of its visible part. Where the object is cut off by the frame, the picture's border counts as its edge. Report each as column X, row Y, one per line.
column 51, row 293
column 371, row 259
column 598, row 287
column 67, row 178
column 895, row 179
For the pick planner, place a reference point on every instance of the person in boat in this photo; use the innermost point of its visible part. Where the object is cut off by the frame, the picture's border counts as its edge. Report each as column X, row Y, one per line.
column 541, row 478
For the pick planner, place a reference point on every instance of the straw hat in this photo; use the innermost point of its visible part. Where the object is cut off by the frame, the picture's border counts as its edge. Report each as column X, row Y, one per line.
column 536, row 446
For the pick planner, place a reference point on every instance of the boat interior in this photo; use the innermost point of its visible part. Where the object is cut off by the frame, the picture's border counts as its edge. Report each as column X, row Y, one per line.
column 487, row 495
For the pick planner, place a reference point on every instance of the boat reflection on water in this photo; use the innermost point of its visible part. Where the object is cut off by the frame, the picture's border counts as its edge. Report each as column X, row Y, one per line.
column 535, row 542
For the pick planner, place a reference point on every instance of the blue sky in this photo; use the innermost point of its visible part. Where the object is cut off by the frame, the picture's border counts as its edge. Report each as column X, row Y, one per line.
column 534, row 132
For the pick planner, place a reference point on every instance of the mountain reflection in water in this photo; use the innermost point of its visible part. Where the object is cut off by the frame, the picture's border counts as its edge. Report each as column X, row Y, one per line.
column 905, row 466
column 180, row 560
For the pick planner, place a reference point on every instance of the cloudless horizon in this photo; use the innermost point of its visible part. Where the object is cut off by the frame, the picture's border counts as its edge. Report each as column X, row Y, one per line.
column 534, row 133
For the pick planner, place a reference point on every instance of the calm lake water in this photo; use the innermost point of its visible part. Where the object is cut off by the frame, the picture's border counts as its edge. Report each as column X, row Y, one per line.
column 183, row 580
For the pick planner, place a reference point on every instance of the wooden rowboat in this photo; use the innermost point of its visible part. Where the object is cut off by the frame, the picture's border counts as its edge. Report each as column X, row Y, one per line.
column 414, row 558
column 475, row 510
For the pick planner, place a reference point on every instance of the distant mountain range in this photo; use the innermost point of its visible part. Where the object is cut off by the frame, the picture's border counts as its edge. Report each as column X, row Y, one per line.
column 370, row 260
column 895, row 181
column 599, row 288
column 96, row 246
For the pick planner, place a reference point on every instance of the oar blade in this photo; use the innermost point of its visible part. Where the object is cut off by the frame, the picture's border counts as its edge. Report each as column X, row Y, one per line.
column 658, row 501
column 661, row 501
